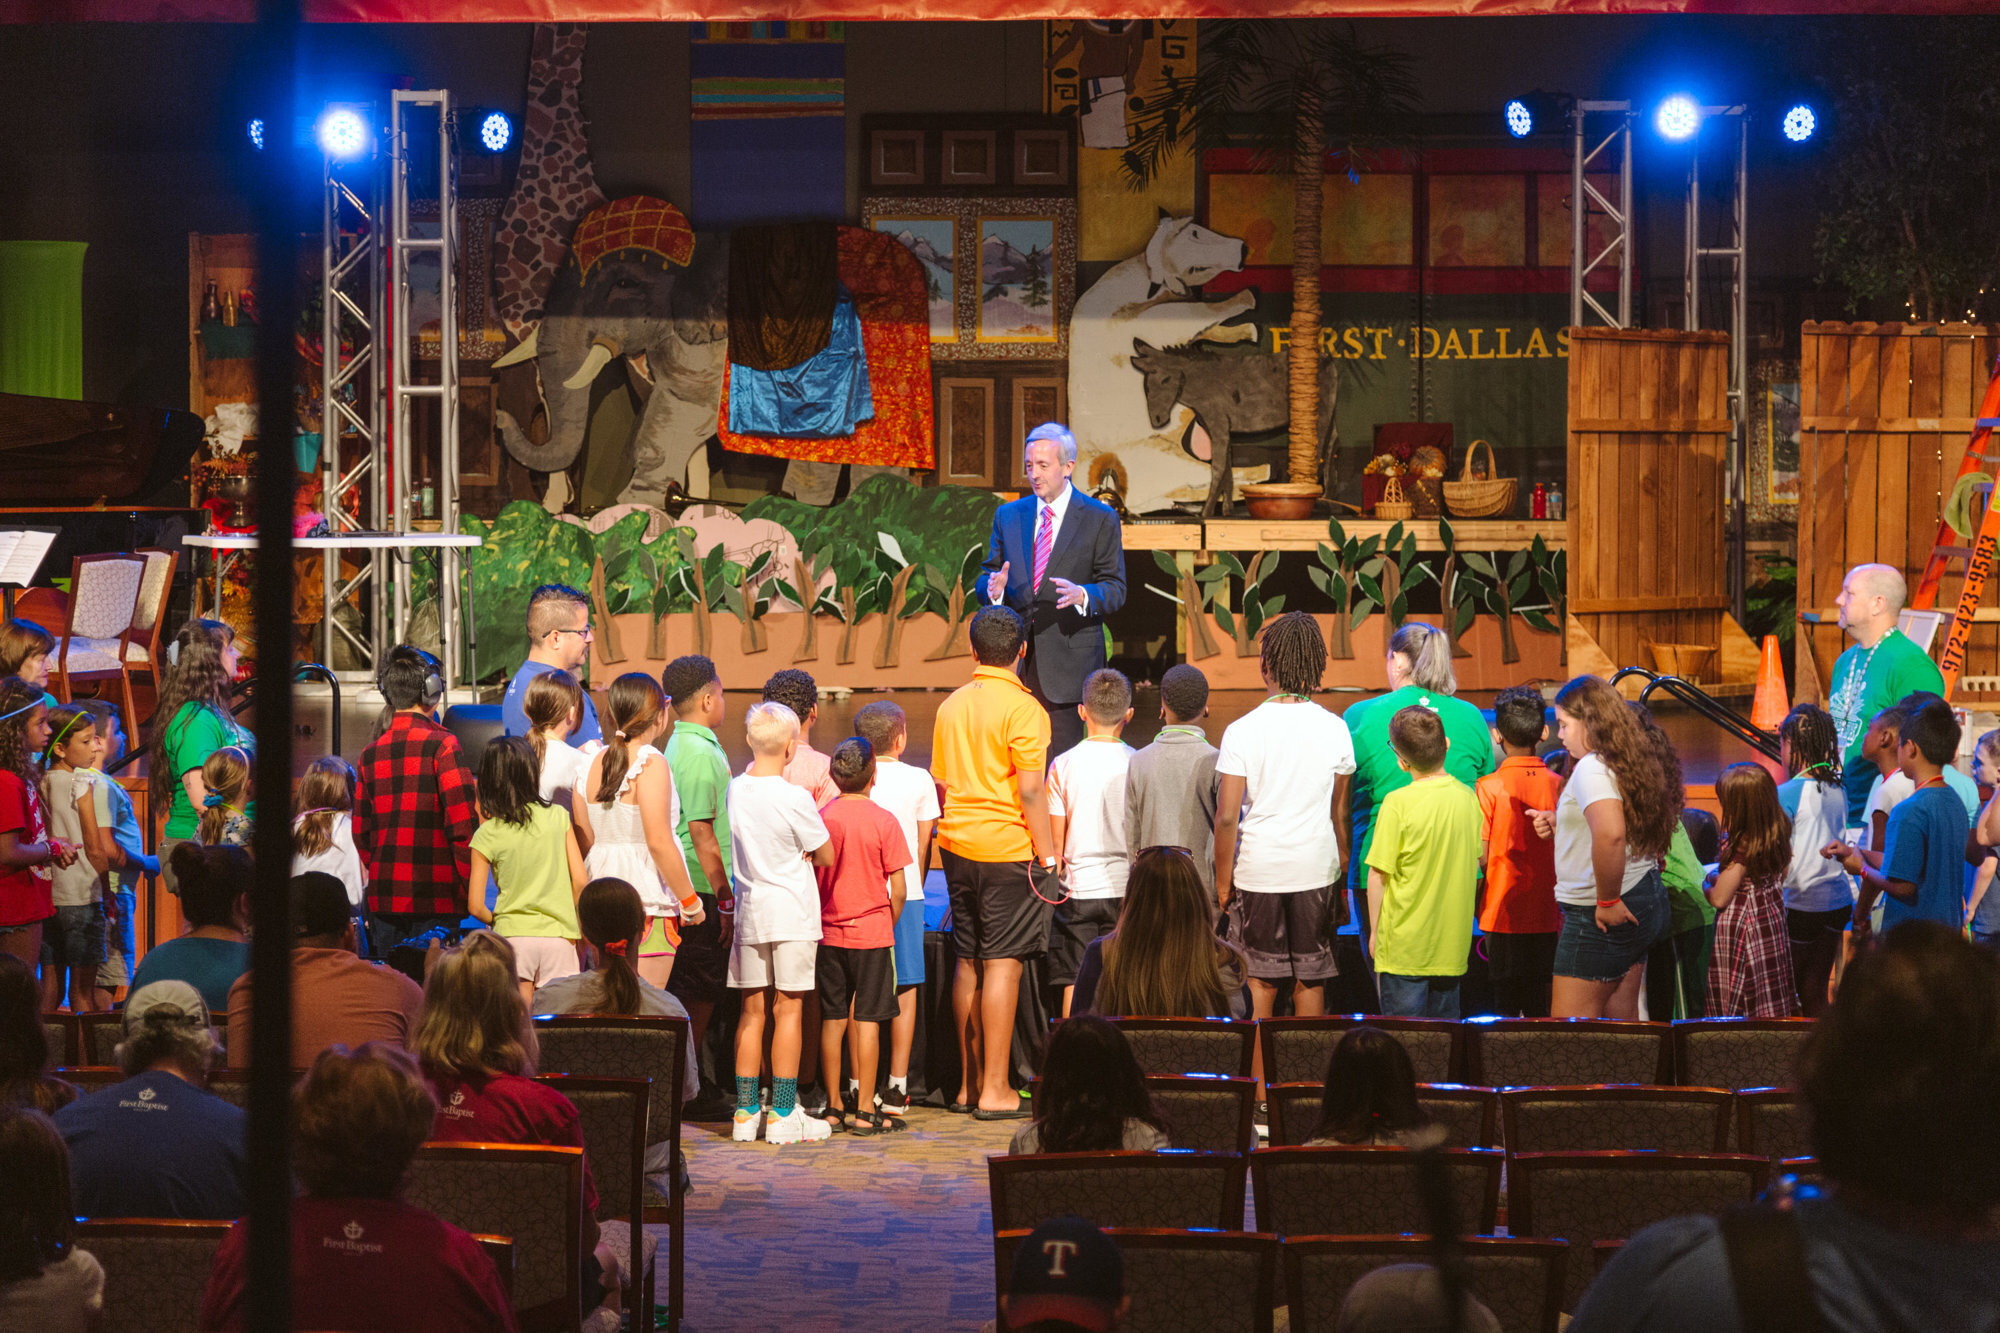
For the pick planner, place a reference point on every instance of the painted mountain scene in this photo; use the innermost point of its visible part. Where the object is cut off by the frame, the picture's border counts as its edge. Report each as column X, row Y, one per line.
column 1017, row 300
column 933, row 242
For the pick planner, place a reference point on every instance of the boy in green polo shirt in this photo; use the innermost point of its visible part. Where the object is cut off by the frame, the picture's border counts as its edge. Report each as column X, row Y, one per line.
column 1423, row 875
column 701, row 784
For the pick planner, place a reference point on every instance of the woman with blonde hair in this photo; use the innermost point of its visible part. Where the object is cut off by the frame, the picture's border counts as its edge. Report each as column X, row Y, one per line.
column 478, row 1051
column 1611, row 826
column 1164, row 959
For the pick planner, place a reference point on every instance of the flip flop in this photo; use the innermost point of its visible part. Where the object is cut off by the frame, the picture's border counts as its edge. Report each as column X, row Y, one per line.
column 1016, row 1112
column 960, row 1108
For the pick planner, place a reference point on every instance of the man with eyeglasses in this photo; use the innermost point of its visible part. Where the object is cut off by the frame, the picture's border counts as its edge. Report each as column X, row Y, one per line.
column 558, row 640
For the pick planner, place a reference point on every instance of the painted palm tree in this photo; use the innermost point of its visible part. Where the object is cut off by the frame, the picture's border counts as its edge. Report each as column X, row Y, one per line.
column 1296, row 93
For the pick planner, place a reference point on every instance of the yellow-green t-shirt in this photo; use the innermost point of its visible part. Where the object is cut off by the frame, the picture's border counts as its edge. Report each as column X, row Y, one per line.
column 1426, row 845
column 531, row 863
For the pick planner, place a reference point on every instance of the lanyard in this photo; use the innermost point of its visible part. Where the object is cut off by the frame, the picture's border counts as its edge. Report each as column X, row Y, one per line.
column 1195, row 732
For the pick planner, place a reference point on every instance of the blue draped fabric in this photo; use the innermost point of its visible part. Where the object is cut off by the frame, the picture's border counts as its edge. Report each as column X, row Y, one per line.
column 821, row 398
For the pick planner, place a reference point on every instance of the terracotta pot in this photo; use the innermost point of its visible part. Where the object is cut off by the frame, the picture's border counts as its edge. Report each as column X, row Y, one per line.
column 1281, row 499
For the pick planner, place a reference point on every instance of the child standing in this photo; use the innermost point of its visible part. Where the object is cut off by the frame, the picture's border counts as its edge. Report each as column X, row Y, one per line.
column 775, row 839
column 1519, row 915
column 1922, row 872
column 323, row 830
column 1170, row 785
column 531, row 849
column 909, row 794
column 1892, row 786
column 225, row 819
column 1750, row 970
column 553, row 704
column 73, row 939
column 1087, row 816
column 701, row 783
column 29, row 857
column 796, row 690
column 129, row 859
column 861, row 894
column 1818, row 895
column 1423, row 875
column 1985, row 926
column 629, row 816
column 1280, row 825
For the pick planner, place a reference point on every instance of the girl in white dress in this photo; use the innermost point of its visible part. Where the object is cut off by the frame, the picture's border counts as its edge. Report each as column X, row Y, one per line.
column 628, row 815
column 553, row 702
column 323, row 830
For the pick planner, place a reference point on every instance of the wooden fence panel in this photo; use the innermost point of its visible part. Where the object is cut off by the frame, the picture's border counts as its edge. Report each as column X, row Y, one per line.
column 1648, row 431
column 1884, row 414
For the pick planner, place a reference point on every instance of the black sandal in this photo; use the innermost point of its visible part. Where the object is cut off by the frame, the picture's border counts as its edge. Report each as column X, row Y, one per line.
column 888, row 1124
column 838, row 1118
column 864, row 1125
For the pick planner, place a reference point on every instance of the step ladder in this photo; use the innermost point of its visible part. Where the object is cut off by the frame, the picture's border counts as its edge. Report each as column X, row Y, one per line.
column 1982, row 454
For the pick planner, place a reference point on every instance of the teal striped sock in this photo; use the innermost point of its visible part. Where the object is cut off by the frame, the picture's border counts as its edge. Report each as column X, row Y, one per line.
column 746, row 1094
column 784, row 1096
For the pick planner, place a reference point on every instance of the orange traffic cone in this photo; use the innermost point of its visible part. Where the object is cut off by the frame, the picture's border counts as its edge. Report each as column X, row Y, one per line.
column 1768, row 709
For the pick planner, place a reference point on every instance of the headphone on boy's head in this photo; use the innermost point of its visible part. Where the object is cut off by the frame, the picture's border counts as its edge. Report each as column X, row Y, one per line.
column 432, row 669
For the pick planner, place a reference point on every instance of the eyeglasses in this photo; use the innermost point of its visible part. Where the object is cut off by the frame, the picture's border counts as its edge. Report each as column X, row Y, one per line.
column 583, row 633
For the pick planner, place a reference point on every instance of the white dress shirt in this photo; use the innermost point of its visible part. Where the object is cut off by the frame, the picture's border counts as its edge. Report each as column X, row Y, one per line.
column 1056, row 509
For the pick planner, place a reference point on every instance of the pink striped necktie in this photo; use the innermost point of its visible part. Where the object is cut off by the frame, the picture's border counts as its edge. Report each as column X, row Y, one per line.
column 1045, row 542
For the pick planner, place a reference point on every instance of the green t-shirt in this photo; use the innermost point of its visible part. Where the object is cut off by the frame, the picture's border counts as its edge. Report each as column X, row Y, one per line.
column 1426, row 845
column 1377, row 773
column 1687, row 906
column 196, row 732
column 1867, row 680
column 701, row 782
column 531, row 863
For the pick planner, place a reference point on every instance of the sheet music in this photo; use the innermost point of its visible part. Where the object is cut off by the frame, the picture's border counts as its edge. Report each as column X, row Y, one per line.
column 22, row 551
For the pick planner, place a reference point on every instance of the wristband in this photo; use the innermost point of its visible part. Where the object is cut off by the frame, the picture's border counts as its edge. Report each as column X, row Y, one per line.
column 1610, row 902
column 689, row 904
column 1050, row 862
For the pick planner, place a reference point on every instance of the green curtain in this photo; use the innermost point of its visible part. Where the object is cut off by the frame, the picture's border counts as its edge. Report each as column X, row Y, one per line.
column 41, row 318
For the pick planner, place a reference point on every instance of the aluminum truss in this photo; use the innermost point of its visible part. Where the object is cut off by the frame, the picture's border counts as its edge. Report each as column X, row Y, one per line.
column 1585, row 197
column 1736, row 252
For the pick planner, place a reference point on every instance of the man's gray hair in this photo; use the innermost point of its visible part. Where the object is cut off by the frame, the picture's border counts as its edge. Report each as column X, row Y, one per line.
column 1055, row 433
column 167, row 1034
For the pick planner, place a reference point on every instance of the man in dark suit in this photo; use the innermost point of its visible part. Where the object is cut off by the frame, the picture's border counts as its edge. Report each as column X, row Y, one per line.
column 1057, row 557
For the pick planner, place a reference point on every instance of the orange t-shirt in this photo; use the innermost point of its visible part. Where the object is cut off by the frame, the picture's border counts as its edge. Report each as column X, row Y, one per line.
column 988, row 733
column 1520, row 864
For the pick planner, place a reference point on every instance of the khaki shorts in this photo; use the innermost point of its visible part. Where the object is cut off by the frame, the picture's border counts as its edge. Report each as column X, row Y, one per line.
column 790, row 965
column 540, row 959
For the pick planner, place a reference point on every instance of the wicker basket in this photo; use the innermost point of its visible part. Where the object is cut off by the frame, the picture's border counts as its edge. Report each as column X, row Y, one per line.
column 1393, row 505
column 1686, row 660
column 1471, row 497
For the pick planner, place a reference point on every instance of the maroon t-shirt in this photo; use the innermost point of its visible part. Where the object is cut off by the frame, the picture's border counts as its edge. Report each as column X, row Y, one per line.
column 368, row 1266
column 507, row 1108
column 854, row 891
column 24, row 893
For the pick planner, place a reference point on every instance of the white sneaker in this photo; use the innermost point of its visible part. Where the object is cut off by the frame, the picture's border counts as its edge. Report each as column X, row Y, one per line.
column 746, row 1126
column 798, row 1127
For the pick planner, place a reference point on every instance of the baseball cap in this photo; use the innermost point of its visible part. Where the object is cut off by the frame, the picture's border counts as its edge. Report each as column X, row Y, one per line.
column 1406, row 1298
column 319, row 905
column 1066, row 1269
column 165, row 1002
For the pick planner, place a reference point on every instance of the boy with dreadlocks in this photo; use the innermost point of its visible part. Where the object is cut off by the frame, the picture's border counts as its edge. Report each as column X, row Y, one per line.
column 1818, row 895
column 1281, row 824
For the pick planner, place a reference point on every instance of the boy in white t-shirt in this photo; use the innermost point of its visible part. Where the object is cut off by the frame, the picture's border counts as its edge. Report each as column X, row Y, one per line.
column 775, row 841
column 910, row 794
column 1281, row 825
column 1087, row 816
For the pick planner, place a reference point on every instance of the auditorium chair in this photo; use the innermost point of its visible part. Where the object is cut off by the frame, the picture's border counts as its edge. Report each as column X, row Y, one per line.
column 1739, row 1052
column 1296, row 1050
column 1190, row 1045
column 612, row 1112
column 1215, row 1281
column 1636, row 1116
column 533, row 1194
column 1470, row 1116
column 1206, row 1112
column 1566, row 1052
column 1174, row 1188
column 155, row 1270
column 1520, row 1281
column 1356, row 1190
column 1772, row 1122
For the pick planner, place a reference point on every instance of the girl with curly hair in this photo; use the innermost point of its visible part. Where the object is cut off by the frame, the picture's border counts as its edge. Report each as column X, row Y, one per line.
column 199, row 675
column 29, row 857
column 1611, row 826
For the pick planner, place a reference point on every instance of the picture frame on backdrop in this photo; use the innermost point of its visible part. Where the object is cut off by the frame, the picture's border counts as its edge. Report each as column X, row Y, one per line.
column 480, row 335
column 1774, row 441
column 1012, row 266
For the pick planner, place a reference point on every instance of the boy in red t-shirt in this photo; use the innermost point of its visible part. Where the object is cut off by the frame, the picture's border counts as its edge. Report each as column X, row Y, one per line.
column 856, row 968
column 1518, row 913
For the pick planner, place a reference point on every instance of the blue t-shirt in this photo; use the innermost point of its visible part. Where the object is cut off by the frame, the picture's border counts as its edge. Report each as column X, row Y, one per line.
column 210, row 966
column 1868, row 1278
column 155, row 1146
column 1926, row 847
column 514, row 719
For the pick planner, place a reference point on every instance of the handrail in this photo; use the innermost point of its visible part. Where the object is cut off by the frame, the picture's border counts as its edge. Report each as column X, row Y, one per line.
column 1701, row 701
column 302, row 671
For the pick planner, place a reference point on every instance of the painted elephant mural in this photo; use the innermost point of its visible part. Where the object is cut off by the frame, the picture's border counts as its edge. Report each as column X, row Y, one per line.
column 641, row 287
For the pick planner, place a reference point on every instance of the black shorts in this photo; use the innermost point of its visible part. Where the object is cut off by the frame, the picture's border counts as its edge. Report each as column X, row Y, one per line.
column 1076, row 923
column 865, row 977
column 1512, row 956
column 701, row 965
column 1287, row 935
column 994, row 911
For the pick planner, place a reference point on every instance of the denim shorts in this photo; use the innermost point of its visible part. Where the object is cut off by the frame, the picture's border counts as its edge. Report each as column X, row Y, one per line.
column 74, row 937
column 1589, row 954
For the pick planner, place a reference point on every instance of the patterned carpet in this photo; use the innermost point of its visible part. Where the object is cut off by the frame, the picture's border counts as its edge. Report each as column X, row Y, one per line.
column 882, row 1233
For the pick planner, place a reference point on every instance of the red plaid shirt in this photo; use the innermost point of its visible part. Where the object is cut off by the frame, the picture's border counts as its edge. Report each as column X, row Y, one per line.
column 414, row 815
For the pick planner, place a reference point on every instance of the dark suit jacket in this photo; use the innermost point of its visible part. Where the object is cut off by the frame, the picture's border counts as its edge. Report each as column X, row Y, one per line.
column 1063, row 646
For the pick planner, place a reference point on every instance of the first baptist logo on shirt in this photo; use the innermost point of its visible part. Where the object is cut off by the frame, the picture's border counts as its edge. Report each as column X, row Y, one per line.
column 350, row 1241
column 145, row 1102
column 455, row 1108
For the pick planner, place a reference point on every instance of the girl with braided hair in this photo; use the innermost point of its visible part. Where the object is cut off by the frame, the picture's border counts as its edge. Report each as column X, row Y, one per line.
column 1818, row 896
column 1281, row 824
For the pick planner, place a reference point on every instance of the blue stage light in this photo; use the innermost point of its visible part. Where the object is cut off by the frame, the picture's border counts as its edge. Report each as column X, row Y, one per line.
column 257, row 133
column 1799, row 123
column 1678, row 117
column 342, row 133
column 1520, row 120
column 496, row 132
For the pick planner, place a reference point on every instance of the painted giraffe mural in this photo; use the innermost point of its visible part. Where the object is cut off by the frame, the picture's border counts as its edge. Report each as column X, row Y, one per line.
column 555, row 185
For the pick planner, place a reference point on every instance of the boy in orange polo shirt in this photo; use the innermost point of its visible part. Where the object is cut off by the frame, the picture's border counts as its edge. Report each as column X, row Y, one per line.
column 1519, row 913
column 989, row 746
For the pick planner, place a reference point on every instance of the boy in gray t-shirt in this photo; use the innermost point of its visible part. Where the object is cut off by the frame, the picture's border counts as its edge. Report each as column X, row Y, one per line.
column 1170, row 786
